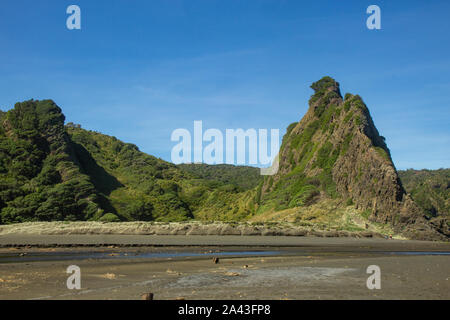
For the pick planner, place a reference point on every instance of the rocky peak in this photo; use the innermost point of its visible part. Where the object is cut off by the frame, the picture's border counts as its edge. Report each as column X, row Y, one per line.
column 336, row 151
column 326, row 84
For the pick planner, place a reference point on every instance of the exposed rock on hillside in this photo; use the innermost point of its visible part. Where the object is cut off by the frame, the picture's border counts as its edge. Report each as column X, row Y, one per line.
column 336, row 151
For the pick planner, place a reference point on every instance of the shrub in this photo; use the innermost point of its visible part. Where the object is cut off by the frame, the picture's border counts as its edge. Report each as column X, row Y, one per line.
column 382, row 153
column 323, row 83
column 109, row 217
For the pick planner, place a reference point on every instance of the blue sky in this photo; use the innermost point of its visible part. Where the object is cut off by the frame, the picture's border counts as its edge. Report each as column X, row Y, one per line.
column 138, row 70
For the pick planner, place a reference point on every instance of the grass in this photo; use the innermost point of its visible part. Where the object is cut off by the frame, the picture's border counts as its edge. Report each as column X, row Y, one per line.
column 328, row 214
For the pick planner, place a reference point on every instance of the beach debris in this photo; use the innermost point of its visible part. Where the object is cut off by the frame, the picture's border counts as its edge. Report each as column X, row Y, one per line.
column 170, row 271
column 245, row 266
column 110, row 276
column 22, row 254
column 147, row 296
column 232, row 274
column 216, row 260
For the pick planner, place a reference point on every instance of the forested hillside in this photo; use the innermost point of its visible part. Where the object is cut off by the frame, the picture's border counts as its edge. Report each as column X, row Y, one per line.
column 335, row 171
column 245, row 178
column 430, row 189
column 49, row 171
column 40, row 176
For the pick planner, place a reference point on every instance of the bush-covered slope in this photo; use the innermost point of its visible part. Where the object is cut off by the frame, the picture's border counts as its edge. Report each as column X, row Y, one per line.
column 333, row 166
column 40, row 177
column 142, row 187
column 430, row 189
column 244, row 177
column 49, row 171
column 139, row 186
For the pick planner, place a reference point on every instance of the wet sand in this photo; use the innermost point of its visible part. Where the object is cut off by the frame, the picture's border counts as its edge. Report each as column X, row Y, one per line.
column 178, row 267
column 74, row 240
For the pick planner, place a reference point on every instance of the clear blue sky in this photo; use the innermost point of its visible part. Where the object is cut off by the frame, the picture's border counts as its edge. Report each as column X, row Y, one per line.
column 140, row 69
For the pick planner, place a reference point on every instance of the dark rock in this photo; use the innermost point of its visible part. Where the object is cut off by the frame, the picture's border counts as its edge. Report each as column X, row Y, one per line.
column 147, row 296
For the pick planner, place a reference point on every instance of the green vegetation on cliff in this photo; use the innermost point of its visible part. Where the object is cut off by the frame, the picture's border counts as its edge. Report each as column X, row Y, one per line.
column 49, row 171
column 245, row 178
column 430, row 189
column 39, row 176
column 336, row 153
column 333, row 159
column 138, row 186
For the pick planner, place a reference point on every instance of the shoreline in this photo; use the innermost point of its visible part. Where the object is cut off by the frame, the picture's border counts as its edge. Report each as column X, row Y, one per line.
column 316, row 268
column 73, row 241
column 250, row 267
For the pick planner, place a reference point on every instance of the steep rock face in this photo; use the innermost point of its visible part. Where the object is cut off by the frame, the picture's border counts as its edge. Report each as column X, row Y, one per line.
column 336, row 151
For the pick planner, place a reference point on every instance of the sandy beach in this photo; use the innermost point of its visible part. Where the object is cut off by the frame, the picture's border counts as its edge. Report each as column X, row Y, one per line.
column 182, row 267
